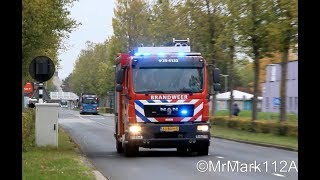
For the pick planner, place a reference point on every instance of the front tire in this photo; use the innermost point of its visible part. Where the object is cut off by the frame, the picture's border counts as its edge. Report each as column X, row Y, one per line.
column 119, row 147
column 118, row 143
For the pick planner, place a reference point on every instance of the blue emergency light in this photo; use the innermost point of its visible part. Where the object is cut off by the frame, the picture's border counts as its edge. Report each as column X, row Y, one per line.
column 184, row 112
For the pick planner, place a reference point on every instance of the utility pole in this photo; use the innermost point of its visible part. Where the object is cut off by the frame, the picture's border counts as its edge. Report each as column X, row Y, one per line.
column 225, row 81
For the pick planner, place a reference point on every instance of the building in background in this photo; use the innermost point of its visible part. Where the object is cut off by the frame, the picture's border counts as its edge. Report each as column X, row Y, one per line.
column 271, row 88
column 243, row 99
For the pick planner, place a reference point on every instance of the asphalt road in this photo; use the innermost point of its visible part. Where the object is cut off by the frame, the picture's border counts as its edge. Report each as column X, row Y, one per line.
column 228, row 160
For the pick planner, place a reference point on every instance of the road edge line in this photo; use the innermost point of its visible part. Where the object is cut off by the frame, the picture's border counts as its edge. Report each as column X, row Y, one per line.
column 257, row 143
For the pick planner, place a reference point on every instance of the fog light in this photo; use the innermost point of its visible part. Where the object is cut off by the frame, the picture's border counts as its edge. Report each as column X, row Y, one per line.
column 203, row 128
column 134, row 129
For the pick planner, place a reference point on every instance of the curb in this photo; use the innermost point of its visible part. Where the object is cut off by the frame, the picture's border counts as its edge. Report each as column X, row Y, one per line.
column 86, row 160
column 258, row 144
column 99, row 176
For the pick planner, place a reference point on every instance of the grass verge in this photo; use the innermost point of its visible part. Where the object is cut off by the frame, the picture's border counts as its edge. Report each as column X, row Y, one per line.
column 64, row 162
column 261, row 115
column 286, row 142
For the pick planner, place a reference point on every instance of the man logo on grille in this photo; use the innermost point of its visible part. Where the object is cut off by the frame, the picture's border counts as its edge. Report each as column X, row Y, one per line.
column 169, row 110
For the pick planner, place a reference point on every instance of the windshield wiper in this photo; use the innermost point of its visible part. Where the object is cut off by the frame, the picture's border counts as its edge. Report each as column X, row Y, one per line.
column 150, row 92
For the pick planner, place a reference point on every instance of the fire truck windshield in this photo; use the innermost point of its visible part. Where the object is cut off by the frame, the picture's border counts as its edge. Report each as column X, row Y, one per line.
column 168, row 80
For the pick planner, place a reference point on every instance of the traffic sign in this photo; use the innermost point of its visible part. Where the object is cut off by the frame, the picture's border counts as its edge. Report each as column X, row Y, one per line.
column 41, row 68
column 276, row 102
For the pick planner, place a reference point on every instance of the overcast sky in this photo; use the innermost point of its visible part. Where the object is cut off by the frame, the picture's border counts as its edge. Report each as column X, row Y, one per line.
column 96, row 18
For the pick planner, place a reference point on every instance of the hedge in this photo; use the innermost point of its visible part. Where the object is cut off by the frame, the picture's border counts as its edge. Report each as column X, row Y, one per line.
column 258, row 126
column 105, row 110
column 28, row 128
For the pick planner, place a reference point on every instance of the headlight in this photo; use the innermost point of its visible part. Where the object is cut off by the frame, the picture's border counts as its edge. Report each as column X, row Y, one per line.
column 134, row 129
column 203, row 128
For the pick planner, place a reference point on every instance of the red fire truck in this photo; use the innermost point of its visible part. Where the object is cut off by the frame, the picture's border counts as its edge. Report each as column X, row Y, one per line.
column 162, row 99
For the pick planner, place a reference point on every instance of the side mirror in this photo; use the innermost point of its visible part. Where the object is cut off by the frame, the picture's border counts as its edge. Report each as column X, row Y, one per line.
column 216, row 75
column 120, row 75
column 119, row 88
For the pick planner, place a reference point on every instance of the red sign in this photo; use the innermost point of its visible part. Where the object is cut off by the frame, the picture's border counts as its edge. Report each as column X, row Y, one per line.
column 28, row 88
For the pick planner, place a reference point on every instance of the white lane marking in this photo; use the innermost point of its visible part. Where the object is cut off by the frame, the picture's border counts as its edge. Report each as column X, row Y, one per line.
column 280, row 175
column 220, row 157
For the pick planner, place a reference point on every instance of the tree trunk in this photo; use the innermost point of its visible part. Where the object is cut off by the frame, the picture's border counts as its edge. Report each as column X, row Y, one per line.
column 284, row 67
column 211, row 54
column 286, row 34
column 231, row 75
column 256, row 85
column 256, row 66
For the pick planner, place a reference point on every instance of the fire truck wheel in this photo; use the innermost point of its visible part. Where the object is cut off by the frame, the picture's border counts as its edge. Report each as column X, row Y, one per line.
column 119, row 147
column 130, row 150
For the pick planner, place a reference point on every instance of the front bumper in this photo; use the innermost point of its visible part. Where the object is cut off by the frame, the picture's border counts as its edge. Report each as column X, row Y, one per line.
column 151, row 136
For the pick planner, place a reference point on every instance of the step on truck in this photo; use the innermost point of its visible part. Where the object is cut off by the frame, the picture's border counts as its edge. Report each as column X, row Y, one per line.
column 162, row 99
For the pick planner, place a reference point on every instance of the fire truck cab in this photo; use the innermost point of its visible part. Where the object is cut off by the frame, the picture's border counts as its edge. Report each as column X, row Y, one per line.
column 162, row 99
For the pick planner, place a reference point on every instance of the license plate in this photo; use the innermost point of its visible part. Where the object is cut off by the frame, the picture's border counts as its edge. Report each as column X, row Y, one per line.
column 170, row 128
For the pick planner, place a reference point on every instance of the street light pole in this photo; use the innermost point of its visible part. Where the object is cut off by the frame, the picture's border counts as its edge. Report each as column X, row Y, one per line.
column 225, row 81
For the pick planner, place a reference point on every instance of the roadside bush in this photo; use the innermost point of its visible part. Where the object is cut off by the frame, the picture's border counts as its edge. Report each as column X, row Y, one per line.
column 293, row 130
column 219, row 120
column 261, row 126
column 28, row 128
column 233, row 123
column 285, row 129
column 106, row 110
column 245, row 125
column 258, row 126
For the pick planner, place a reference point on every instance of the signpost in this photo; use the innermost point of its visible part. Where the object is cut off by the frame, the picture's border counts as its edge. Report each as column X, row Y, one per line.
column 41, row 69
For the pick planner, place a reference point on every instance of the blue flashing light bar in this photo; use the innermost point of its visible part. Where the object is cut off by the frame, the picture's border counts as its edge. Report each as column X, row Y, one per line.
column 167, row 49
column 142, row 54
column 161, row 54
column 181, row 54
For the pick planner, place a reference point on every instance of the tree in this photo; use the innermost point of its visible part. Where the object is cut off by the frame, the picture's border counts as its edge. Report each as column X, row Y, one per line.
column 44, row 24
column 227, row 39
column 255, row 37
column 130, row 24
column 66, row 86
column 287, row 21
